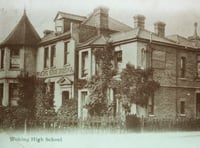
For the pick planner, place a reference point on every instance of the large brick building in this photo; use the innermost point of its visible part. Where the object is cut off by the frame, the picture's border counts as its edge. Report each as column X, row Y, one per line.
column 65, row 56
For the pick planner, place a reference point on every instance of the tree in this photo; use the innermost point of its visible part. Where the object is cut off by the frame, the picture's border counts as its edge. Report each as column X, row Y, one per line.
column 98, row 84
column 137, row 84
column 44, row 100
column 34, row 96
column 26, row 87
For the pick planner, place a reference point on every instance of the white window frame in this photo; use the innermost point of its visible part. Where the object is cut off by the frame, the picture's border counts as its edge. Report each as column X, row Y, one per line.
column 80, row 104
column 80, row 63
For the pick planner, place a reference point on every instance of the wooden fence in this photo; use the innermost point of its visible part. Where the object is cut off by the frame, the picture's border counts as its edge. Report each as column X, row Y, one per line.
column 105, row 123
column 180, row 124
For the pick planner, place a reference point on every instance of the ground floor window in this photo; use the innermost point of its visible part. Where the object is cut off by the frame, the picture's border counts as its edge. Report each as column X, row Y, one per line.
column 151, row 105
column 13, row 92
column 65, row 97
column 1, row 93
column 84, row 111
column 182, row 107
column 198, row 104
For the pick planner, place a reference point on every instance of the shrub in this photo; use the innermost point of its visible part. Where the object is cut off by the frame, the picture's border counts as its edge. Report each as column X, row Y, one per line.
column 68, row 110
column 133, row 122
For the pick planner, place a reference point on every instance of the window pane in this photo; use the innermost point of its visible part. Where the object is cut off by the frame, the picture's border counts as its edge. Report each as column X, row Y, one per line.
column 198, row 58
column 14, row 52
column 53, row 55
column 1, row 93
column 2, row 58
column 46, row 57
column 183, row 66
column 65, row 52
column 182, row 107
column 83, row 97
column 198, row 69
column 85, row 64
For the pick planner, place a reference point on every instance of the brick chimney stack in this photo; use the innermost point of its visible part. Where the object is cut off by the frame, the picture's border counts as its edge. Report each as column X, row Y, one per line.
column 101, row 17
column 139, row 21
column 159, row 28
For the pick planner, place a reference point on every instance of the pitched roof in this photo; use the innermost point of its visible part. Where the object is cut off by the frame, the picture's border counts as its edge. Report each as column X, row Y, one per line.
column 23, row 34
column 113, row 24
column 182, row 40
column 70, row 16
column 53, row 36
column 138, row 33
column 117, row 25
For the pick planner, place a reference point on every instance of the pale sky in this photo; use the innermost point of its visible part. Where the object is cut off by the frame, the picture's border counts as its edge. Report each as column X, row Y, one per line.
column 179, row 15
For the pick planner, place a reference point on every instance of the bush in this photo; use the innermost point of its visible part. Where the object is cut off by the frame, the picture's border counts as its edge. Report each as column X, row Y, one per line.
column 133, row 123
column 14, row 116
column 68, row 110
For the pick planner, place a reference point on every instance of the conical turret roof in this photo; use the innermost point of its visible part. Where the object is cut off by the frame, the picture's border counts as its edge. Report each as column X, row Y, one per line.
column 23, row 34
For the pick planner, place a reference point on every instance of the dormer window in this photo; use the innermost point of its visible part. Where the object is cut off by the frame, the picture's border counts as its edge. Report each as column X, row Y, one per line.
column 59, row 26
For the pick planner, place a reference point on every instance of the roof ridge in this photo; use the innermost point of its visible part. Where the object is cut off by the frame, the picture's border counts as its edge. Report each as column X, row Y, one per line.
column 72, row 14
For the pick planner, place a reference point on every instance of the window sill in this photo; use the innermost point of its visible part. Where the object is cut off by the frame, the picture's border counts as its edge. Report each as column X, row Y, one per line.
column 83, row 78
column 66, row 65
column 182, row 115
column 151, row 115
column 46, row 68
column 14, row 69
column 52, row 67
column 184, row 79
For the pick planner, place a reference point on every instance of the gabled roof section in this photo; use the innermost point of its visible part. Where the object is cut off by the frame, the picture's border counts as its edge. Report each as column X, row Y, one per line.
column 23, row 34
column 99, row 40
column 113, row 24
column 64, row 81
column 69, row 16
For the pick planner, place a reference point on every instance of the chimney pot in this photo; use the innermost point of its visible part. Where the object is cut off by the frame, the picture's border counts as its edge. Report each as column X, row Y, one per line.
column 139, row 21
column 47, row 32
column 159, row 28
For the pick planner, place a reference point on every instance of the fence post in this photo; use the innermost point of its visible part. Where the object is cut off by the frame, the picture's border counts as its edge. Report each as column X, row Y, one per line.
column 25, row 127
column 142, row 124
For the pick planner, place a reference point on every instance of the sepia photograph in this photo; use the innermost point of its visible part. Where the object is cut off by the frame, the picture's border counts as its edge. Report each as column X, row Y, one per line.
column 100, row 73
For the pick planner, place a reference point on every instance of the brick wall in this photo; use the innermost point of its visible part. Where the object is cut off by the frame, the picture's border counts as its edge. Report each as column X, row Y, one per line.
column 175, row 89
column 165, row 103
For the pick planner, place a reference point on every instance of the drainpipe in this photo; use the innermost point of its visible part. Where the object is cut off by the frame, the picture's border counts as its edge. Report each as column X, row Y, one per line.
column 176, row 85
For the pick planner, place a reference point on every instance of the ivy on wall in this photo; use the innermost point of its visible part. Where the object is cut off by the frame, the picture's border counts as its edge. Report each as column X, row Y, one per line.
column 99, row 83
column 134, row 85
column 137, row 84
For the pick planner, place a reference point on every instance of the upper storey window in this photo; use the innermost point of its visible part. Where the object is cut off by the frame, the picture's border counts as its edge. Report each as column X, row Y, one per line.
column 46, row 57
column 59, row 26
column 2, row 53
column 84, row 64
column 15, row 58
column 66, row 52
column 183, row 66
column 198, row 66
column 53, row 56
column 118, row 56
